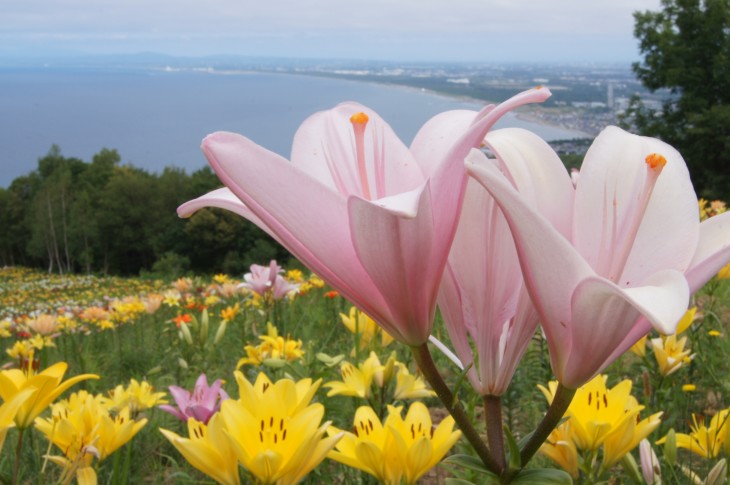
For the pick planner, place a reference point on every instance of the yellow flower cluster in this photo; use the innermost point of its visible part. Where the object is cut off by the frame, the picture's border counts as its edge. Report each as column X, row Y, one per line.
column 598, row 418
column 136, row 396
column 711, row 209
column 360, row 381
column 83, row 427
column 670, row 351
column 272, row 430
column 273, row 349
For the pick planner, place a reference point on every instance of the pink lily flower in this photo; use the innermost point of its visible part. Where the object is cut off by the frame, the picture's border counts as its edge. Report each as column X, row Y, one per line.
column 374, row 219
column 264, row 280
column 200, row 404
column 483, row 298
column 634, row 251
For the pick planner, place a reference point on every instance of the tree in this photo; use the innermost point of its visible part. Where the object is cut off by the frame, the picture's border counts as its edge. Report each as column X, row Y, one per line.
column 686, row 50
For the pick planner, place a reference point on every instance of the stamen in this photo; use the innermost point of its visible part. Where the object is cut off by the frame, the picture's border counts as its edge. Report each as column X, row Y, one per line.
column 359, row 122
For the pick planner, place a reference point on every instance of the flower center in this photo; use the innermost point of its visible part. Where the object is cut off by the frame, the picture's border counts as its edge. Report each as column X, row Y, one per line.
column 272, row 431
column 421, row 430
column 364, row 427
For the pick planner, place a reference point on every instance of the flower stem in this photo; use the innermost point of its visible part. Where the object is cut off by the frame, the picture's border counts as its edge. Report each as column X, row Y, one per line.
column 423, row 358
column 18, row 449
column 561, row 401
column 493, row 418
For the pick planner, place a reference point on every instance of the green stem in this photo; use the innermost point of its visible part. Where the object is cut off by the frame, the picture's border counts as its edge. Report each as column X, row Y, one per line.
column 493, row 418
column 423, row 358
column 561, row 401
column 18, row 449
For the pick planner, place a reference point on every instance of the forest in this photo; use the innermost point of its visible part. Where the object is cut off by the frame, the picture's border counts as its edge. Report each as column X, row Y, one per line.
column 105, row 217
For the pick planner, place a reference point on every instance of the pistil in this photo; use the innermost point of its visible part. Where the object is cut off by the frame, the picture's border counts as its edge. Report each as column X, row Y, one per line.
column 624, row 241
column 359, row 122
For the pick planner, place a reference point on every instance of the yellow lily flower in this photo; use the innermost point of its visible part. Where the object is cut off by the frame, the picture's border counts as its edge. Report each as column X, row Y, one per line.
column 599, row 416
column 670, row 353
column 703, row 440
column 360, row 323
column 686, row 320
column 560, row 448
column 409, row 386
column 724, row 272
column 397, row 450
column 48, row 386
column 230, row 312
column 639, row 348
column 137, row 396
column 295, row 394
column 82, row 428
column 208, row 449
column 277, row 435
column 273, row 346
column 9, row 409
column 358, row 381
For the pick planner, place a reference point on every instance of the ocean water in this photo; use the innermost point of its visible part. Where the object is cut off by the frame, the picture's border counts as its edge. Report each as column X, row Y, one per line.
column 158, row 118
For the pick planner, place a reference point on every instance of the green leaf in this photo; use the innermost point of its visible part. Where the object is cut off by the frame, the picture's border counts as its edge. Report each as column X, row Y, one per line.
column 515, row 462
column 461, row 377
column 470, row 463
column 543, row 476
column 458, row 481
column 632, row 468
column 670, row 447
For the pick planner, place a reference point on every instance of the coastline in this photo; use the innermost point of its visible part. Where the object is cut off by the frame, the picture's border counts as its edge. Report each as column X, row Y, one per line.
column 525, row 114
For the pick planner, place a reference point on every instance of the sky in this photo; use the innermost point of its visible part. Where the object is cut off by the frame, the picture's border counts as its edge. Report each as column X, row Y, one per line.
column 399, row 30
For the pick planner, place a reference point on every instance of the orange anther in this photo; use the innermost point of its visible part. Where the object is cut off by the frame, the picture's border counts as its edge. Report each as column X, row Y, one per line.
column 656, row 160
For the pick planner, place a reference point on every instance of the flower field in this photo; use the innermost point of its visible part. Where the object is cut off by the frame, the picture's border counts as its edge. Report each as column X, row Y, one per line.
column 275, row 378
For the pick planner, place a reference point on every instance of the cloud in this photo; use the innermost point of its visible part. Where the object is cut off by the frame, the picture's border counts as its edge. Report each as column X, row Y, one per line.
column 234, row 26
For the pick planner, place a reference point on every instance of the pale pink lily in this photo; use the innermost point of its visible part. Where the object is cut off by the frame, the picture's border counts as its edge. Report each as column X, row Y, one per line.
column 371, row 217
column 483, row 299
column 202, row 403
column 634, row 244
column 267, row 280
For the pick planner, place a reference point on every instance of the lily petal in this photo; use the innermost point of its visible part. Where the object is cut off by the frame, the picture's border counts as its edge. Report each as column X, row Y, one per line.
column 713, row 251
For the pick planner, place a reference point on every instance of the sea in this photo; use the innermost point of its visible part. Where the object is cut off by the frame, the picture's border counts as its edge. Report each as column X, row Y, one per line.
column 157, row 118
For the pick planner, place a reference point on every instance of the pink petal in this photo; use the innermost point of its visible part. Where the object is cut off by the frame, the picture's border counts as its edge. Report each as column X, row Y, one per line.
column 174, row 411
column 180, row 395
column 552, row 268
column 336, row 165
column 611, row 178
column 307, row 217
column 603, row 314
column 712, row 253
column 398, row 254
column 223, row 199
column 433, row 141
column 458, row 319
column 537, row 173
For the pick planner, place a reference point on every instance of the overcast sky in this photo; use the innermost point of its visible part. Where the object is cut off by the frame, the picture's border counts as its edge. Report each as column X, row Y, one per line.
column 419, row 30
